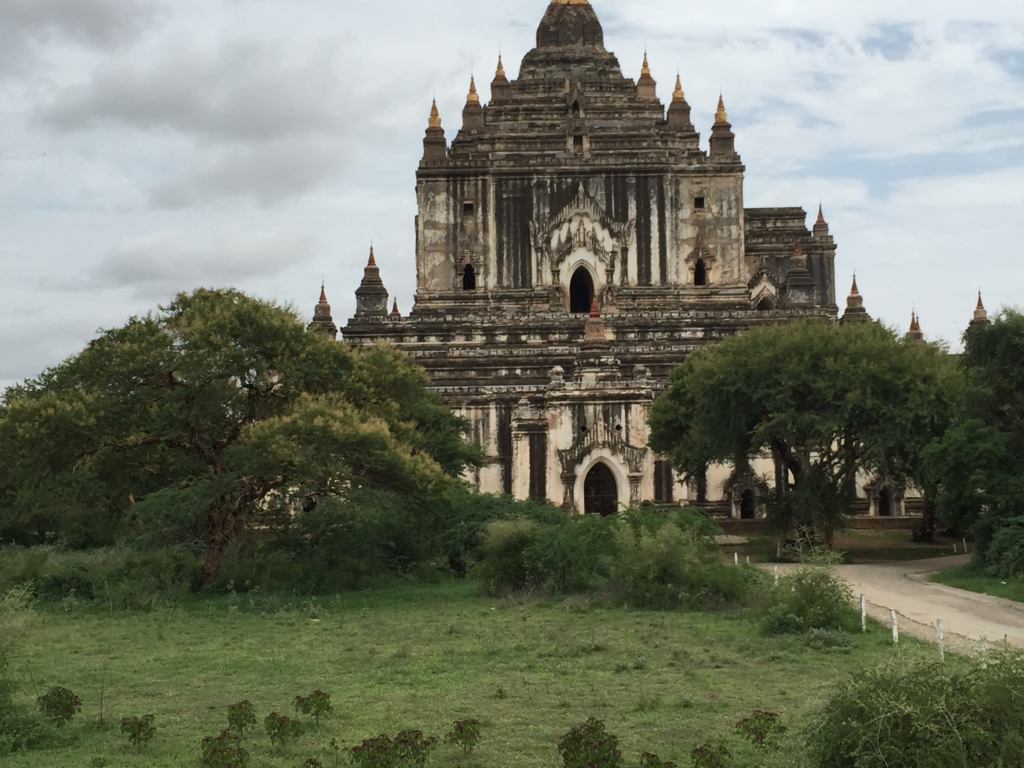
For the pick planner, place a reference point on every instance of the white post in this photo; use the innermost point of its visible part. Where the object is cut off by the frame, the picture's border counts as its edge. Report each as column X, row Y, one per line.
column 895, row 628
column 939, row 635
column 735, row 558
column 984, row 650
column 954, row 549
column 863, row 614
column 748, row 559
column 965, row 545
column 776, row 575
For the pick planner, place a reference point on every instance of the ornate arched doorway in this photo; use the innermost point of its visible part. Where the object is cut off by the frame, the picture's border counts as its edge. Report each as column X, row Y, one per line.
column 600, row 491
column 581, row 291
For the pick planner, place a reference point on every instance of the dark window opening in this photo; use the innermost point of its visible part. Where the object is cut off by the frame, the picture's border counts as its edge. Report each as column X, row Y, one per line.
column 575, row 109
column 469, row 278
column 468, row 209
column 581, row 292
column 577, row 143
column 698, row 203
column 748, row 507
column 538, row 467
column 700, row 273
column 663, row 482
column 702, row 487
column 885, row 502
column 600, row 491
column 765, row 305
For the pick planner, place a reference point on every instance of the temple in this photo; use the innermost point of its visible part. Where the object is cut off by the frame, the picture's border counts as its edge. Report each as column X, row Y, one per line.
column 576, row 240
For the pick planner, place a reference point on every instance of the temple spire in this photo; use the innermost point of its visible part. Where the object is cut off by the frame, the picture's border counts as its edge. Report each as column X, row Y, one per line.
column 473, row 97
column 855, row 311
column 915, row 334
column 646, row 86
column 372, row 261
column 980, row 314
column 371, row 295
column 501, row 68
column 322, row 320
column 721, row 116
column 677, row 94
column 723, row 140
column 435, row 117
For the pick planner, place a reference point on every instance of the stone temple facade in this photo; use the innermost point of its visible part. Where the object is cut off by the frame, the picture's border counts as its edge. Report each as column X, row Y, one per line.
column 575, row 241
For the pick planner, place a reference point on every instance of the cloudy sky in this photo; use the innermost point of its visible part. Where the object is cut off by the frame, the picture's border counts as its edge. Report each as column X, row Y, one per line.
column 153, row 146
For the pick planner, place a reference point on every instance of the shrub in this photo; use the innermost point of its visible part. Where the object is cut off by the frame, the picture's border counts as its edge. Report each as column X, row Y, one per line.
column 575, row 555
column 317, row 704
column 59, row 705
column 408, row 748
column 711, row 756
column 590, row 746
column 506, row 566
column 241, row 716
column 761, row 728
column 20, row 730
column 150, row 575
column 225, row 751
column 74, row 582
column 811, row 598
column 1005, row 554
column 282, row 729
column 465, row 734
column 665, row 566
column 953, row 715
column 139, row 730
column 829, row 640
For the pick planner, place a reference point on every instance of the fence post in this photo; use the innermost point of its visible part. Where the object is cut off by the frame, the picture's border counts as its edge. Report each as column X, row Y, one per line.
column 895, row 628
column 863, row 614
column 748, row 559
column 776, row 575
column 984, row 650
column 965, row 545
column 939, row 635
column 954, row 548
column 735, row 558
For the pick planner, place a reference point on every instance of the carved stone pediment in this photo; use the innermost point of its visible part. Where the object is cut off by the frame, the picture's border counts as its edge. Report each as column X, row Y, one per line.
column 700, row 251
column 764, row 286
column 582, row 224
column 632, row 457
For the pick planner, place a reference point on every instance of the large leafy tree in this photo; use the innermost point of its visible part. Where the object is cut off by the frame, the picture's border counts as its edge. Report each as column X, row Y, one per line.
column 977, row 465
column 196, row 417
column 826, row 401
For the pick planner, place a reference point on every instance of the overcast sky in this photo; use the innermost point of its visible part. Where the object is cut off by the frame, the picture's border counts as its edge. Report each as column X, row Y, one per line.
column 153, row 146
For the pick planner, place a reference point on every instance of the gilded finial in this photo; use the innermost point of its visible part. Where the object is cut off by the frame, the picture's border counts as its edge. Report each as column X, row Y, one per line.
column 435, row 116
column 501, row 69
column 323, row 294
column 980, row 304
column 721, row 116
column 646, row 69
column 678, row 94
column 821, row 214
column 473, row 97
column 373, row 259
column 853, row 290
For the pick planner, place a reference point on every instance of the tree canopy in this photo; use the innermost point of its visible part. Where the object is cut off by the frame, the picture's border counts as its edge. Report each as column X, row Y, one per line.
column 192, row 419
column 976, row 466
column 825, row 401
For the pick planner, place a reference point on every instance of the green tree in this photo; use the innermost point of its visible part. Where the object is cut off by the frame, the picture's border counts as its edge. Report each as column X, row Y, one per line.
column 826, row 401
column 193, row 419
column 976, row 466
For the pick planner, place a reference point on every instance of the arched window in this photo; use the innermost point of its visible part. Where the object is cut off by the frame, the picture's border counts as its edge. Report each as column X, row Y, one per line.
column 600, row 491
column 748, row 505
column 700, row 273
column 575, row 109
column 581, row 292
column 469, row 278
column 765, row 305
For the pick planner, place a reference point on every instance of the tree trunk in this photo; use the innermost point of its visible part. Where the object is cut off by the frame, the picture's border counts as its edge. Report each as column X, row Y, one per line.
column 220, row 525
column 929, row 522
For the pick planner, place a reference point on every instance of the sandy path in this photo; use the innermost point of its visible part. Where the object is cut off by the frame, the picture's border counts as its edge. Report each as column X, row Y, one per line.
column 904, row 587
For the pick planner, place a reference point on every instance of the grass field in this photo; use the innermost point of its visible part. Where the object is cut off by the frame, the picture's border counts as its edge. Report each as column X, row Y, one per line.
column 858, row 546
column 976, row 580
column 420, row 657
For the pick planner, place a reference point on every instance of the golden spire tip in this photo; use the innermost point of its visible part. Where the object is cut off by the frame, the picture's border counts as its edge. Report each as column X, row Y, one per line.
column 435, row 116
column 721, row 116
column 473, row 97
column 373, row 259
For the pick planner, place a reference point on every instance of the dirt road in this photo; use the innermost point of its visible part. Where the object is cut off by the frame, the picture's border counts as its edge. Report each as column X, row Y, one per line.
column 904, row 587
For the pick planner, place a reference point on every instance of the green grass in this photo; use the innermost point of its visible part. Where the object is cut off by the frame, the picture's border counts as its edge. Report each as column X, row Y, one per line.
column 858, row 546
column 977, row 580
column 419, row 658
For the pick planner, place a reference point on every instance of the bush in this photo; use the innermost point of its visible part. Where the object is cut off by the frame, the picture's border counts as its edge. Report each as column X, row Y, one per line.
column 574, row 555
column 150, row 575
column 408, row 748
column 20, row 730
column 225, row 750
column 711, row 756
column 139, row 730
column 506, row 566
column 241, row 716
column 917, row 714
column 665, row 566
column 1004, row 556
column 811, row 598
column 317, row 704
column 72, row 582
column 649, row 760
column 590, row 746
column 59, row 705
column 761, row 729
column 282, row 729
column 465, row 734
